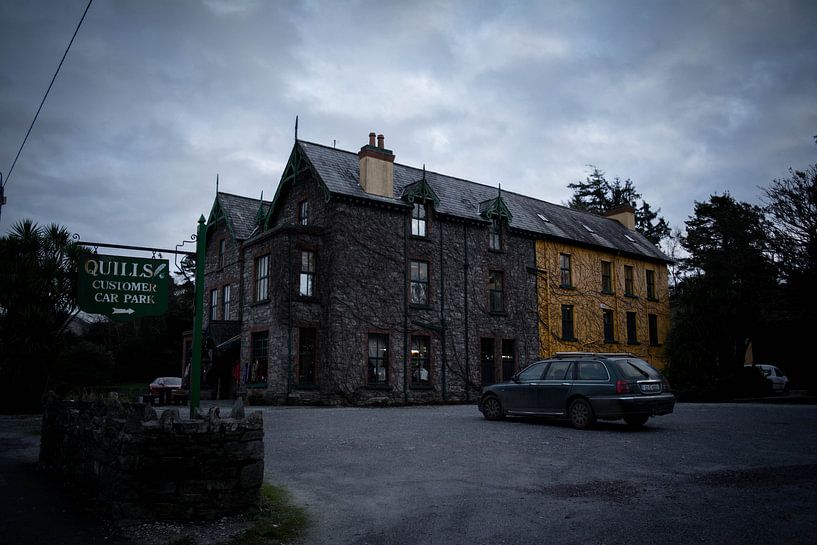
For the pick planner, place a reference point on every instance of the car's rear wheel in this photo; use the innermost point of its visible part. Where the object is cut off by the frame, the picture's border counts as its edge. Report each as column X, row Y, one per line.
column 636, row 420
column 581, row 414
column 492, row 409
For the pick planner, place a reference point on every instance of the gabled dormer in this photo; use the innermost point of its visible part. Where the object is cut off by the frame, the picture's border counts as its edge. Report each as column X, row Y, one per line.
column 496, row 211
column 422, row 197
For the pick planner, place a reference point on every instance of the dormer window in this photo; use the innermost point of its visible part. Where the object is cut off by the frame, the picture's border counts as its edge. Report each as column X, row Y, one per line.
column 495, row 236
column 418, row 220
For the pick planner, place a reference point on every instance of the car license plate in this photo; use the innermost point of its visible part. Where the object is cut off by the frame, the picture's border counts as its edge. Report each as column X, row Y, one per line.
column 651, row 387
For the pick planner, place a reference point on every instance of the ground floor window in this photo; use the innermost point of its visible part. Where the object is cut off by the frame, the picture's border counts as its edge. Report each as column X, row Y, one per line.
column 257, row 371
column 632, row 334
column 508, row 358
column 378, row 363
column 609, row 328
column 487, row 360
column 653, row 323
column 420, row 369
column 307, row 356
column 568, row 333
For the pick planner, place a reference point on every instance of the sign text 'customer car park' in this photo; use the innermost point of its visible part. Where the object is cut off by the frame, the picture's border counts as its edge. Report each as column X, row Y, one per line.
column 123, row 287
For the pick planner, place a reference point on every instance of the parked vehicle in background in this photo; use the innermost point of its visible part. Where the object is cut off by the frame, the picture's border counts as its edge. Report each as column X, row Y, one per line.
column 162, row 387
column 582, row 387
column 776, row 380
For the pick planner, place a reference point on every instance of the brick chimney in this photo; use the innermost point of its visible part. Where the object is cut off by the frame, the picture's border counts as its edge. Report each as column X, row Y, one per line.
column 376, row 167
column 623, row 214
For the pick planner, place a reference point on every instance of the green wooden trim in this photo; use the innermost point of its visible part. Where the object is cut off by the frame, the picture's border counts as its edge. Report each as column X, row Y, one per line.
column 420, row 191
column 217, row 214
column 495, row 208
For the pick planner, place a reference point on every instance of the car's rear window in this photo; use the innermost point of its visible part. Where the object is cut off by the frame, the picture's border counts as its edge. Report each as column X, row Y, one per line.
column 636, row 369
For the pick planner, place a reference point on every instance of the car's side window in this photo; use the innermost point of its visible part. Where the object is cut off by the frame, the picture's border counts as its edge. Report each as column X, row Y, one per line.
column 592, row 370
column 534, row 372
column 557, row 370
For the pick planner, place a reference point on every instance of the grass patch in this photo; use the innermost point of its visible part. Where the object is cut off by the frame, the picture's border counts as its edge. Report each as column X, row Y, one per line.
column 278, row 520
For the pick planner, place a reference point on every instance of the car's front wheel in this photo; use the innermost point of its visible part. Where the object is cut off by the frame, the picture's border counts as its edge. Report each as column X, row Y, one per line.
column 581, row 414
column 492, row 409
column 636, row 420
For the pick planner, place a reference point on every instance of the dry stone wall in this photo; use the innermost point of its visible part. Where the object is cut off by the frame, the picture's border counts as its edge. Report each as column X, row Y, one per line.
column 144, row 465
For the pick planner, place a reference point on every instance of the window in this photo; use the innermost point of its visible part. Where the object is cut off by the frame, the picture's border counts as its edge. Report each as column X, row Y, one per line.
column 591, row 370
column 558, row 370
column 258, row 368
column 651, row 285
column 303, row 212
column 418, row 220
column 606, row 277
column 419, row 283
column 487, row 361
column 420, row 370
column 225, row 302
column 262, row 278
column 628, row 280
column 214, row 304
column 307, row 368
column 632, row 334
column 495, row 235
column 653, row 324
column 567, row 323
column 609, row 328
column 508, row 358
column 222, row 244
column 565, row 276
column 495, row 303
column 306, row 286
column 378, row 358
column 533, row 372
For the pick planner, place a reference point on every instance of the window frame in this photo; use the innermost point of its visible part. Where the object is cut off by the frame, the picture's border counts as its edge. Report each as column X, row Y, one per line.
column 314, row 363
column 307, row 277
column 303, row 212
column 377, row 382
column 629, row 281
column 419, row 219
column 213, row 314
column 569, row 324
column 565, row 271
column 652, row 326
column 608, row 326
column 262, row 278
column 495, row 234
column 419, row 281
column 496, row 294
column 632, row 328
column 226, row 301
column 419, row 360
column 650, row 279
column 222, row 250
column 607, row 277
column 255, row 338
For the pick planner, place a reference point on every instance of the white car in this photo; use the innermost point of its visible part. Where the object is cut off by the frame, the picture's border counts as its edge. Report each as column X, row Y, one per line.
column 779, row 381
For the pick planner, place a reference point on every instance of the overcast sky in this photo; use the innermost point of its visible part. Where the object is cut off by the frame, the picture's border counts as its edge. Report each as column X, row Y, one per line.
column 157, row 97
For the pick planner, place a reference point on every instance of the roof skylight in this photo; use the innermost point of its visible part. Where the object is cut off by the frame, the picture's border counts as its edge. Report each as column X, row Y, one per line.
column 628, row 237
column 589, row 230
column 543, row 218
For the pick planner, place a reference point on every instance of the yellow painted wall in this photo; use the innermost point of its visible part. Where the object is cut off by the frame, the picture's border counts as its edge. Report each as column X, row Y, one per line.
column 588, row 301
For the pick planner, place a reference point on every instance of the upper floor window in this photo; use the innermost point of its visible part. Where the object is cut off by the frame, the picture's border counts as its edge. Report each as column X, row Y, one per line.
column 222, row 245
column 628, row 280
column 214, row 304
column 225, row 302
column 378, row 361
column 307, row 361
column 495, row 235
column 420, row 369
column 609, row 326
column 306, row 286
column 632, row 332
column 568, row 333
column 653, row 326
column 565, row 273
column 495, row 291
column 303, row 212
column 651, row 284
column 419, row 283
column 606, row 277
column 418, row 220
column 262, row 278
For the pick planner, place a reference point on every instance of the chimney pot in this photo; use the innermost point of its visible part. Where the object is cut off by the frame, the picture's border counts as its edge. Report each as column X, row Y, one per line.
column 381, row 141
column 371, row 139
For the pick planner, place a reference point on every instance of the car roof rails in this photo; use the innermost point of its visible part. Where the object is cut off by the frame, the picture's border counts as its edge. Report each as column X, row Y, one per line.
column 565, row 355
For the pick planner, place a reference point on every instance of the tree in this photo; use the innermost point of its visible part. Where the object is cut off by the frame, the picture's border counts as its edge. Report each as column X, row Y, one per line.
column 728, row 297
column 598, row 195
column 37, row 272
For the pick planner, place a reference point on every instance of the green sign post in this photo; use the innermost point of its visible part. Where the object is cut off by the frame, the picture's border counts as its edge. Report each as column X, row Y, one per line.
column 198, row 317
column 123, row 287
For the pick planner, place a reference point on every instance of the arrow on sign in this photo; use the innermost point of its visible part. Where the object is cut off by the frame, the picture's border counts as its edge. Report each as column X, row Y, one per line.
column 123, row 311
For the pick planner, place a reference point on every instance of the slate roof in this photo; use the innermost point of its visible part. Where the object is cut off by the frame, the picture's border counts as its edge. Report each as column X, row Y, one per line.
column 460, row 198
column 241, row 213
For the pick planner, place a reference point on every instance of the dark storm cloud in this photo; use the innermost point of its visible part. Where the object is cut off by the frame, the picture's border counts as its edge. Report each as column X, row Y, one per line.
column 155, row 98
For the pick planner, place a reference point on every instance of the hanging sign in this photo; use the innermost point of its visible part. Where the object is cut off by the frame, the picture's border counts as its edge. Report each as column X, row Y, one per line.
column 123, row 287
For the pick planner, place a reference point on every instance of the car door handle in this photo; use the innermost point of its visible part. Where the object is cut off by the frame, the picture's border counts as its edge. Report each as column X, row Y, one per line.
column 565, row 384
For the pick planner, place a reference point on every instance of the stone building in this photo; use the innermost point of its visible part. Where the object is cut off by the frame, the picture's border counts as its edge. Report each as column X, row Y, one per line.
column 365, row 281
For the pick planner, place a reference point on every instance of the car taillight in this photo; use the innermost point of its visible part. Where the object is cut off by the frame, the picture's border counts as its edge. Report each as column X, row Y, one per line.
column 667, row 388
column 622, row 387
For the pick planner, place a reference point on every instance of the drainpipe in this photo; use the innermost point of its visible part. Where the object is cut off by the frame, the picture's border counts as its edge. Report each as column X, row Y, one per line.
column 442, row 317
column 406, row 284
column 465, row 296
column 289, row 314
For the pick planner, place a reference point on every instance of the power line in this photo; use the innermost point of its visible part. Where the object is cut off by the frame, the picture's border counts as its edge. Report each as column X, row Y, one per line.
column 4, row 183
